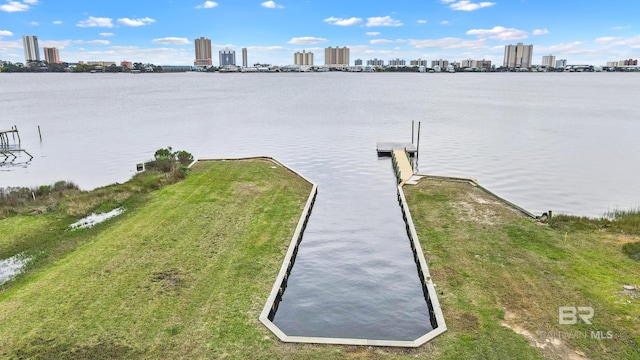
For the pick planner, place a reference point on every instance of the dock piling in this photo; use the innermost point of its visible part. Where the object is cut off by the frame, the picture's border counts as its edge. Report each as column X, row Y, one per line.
column 39, row 133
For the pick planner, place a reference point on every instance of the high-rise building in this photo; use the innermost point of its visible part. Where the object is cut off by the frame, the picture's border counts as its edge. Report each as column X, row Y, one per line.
column 549, row 61
column 375, row 62
column 303, row 58
column 357, row 62
column 397, row 62
column 562, row 63
column 227, row 57
column 518, row 56
column 337, row 56
column 418, row 62
column 245, row 61
column 441, row 63
column 203, row 52
column 31, row 50
column 51, row 56
column 483, row 64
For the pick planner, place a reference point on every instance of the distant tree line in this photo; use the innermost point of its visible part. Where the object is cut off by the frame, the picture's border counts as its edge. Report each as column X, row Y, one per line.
column 43, row 66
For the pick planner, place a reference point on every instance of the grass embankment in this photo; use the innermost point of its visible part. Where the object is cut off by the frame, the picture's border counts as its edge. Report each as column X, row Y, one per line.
column 501, row 278
column 183, row 273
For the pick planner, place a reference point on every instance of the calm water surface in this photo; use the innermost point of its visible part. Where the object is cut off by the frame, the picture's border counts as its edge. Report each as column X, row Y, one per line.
column 565, row 142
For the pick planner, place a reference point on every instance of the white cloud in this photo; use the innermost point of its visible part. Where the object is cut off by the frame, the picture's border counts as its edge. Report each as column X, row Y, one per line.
column 136, row 22
column 540, row 32
column 171, row 40
column 14, row 6
column 343, row 22
column 57, row 22
column 34, row 23
column 499, row 33
column 633, row 42
column 606, row 39
column 621, row 27
column 306, row 40
column 466, row 5
column 444, row 22
column 5, row 33
column 106, row 34
column 381, row 41
column 207, row 5
column 58, row 44
column 96, row 22
column 271, row 5
column 96, row 42
column 448, row 43
column 372, row 33
column 421, row 21
column 30, row 2
column 266, row 48
column 383, row 21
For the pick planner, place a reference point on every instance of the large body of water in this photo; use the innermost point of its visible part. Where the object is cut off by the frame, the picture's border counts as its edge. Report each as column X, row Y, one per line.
column 560, row 141
column 564, row 142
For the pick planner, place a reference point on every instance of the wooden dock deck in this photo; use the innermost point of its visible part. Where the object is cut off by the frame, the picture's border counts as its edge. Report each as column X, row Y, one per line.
column 386, row 148
column 403, row 167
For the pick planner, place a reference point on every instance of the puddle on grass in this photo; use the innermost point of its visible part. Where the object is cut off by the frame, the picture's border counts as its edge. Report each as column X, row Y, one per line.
column 95, row 219
column 12, row 266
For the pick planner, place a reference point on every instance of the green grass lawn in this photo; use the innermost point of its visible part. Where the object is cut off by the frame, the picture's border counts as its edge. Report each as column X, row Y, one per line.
column 182, row 274
column 493, row 269
column 186, row 270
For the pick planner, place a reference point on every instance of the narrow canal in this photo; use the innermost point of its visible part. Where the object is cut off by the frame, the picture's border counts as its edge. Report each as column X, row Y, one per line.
column 354, row 275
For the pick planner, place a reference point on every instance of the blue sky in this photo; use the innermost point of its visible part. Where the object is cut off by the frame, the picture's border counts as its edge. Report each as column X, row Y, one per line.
column 162, row 31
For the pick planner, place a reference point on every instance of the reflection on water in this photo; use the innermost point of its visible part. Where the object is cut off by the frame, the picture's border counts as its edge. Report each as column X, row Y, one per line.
column 12, row 266
column 95, row 219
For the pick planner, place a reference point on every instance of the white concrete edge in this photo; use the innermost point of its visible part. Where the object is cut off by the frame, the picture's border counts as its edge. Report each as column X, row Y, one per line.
column 424, row 268
column 264, row 315
column 350, row 341
column 288, row 257
column 295, row 240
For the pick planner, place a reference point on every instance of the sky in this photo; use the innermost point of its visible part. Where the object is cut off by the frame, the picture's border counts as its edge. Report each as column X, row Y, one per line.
column 162, row 32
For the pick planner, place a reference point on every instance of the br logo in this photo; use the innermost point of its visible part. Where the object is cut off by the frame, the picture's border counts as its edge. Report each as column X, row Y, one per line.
column 568, row 315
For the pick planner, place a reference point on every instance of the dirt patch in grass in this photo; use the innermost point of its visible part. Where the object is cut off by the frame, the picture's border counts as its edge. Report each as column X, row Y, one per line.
column 169, row 280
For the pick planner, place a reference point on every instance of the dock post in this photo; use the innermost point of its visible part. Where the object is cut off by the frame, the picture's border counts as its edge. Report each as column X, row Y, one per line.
column 17, row 133
column 418, row 145
column 39, row 133
column 550, row 214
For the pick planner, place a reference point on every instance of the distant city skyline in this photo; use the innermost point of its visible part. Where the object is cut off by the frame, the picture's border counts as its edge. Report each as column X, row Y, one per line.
column 272, row 31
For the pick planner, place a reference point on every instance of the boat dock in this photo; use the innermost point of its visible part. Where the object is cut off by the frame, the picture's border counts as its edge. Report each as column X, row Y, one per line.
column 10, row 149
column 386, row 148
column 402, row 166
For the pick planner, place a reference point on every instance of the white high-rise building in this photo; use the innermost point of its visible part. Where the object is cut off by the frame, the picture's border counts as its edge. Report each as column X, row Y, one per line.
column 518, row 56
column 245, row 61
column 549, row 61
column 31, row 50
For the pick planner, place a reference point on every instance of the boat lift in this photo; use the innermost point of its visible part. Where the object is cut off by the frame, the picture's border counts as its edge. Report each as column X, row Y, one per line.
column 11, row 149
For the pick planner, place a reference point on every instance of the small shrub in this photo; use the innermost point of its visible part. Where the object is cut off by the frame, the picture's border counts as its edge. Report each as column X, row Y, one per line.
column 184, row 158
column 173, row 164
